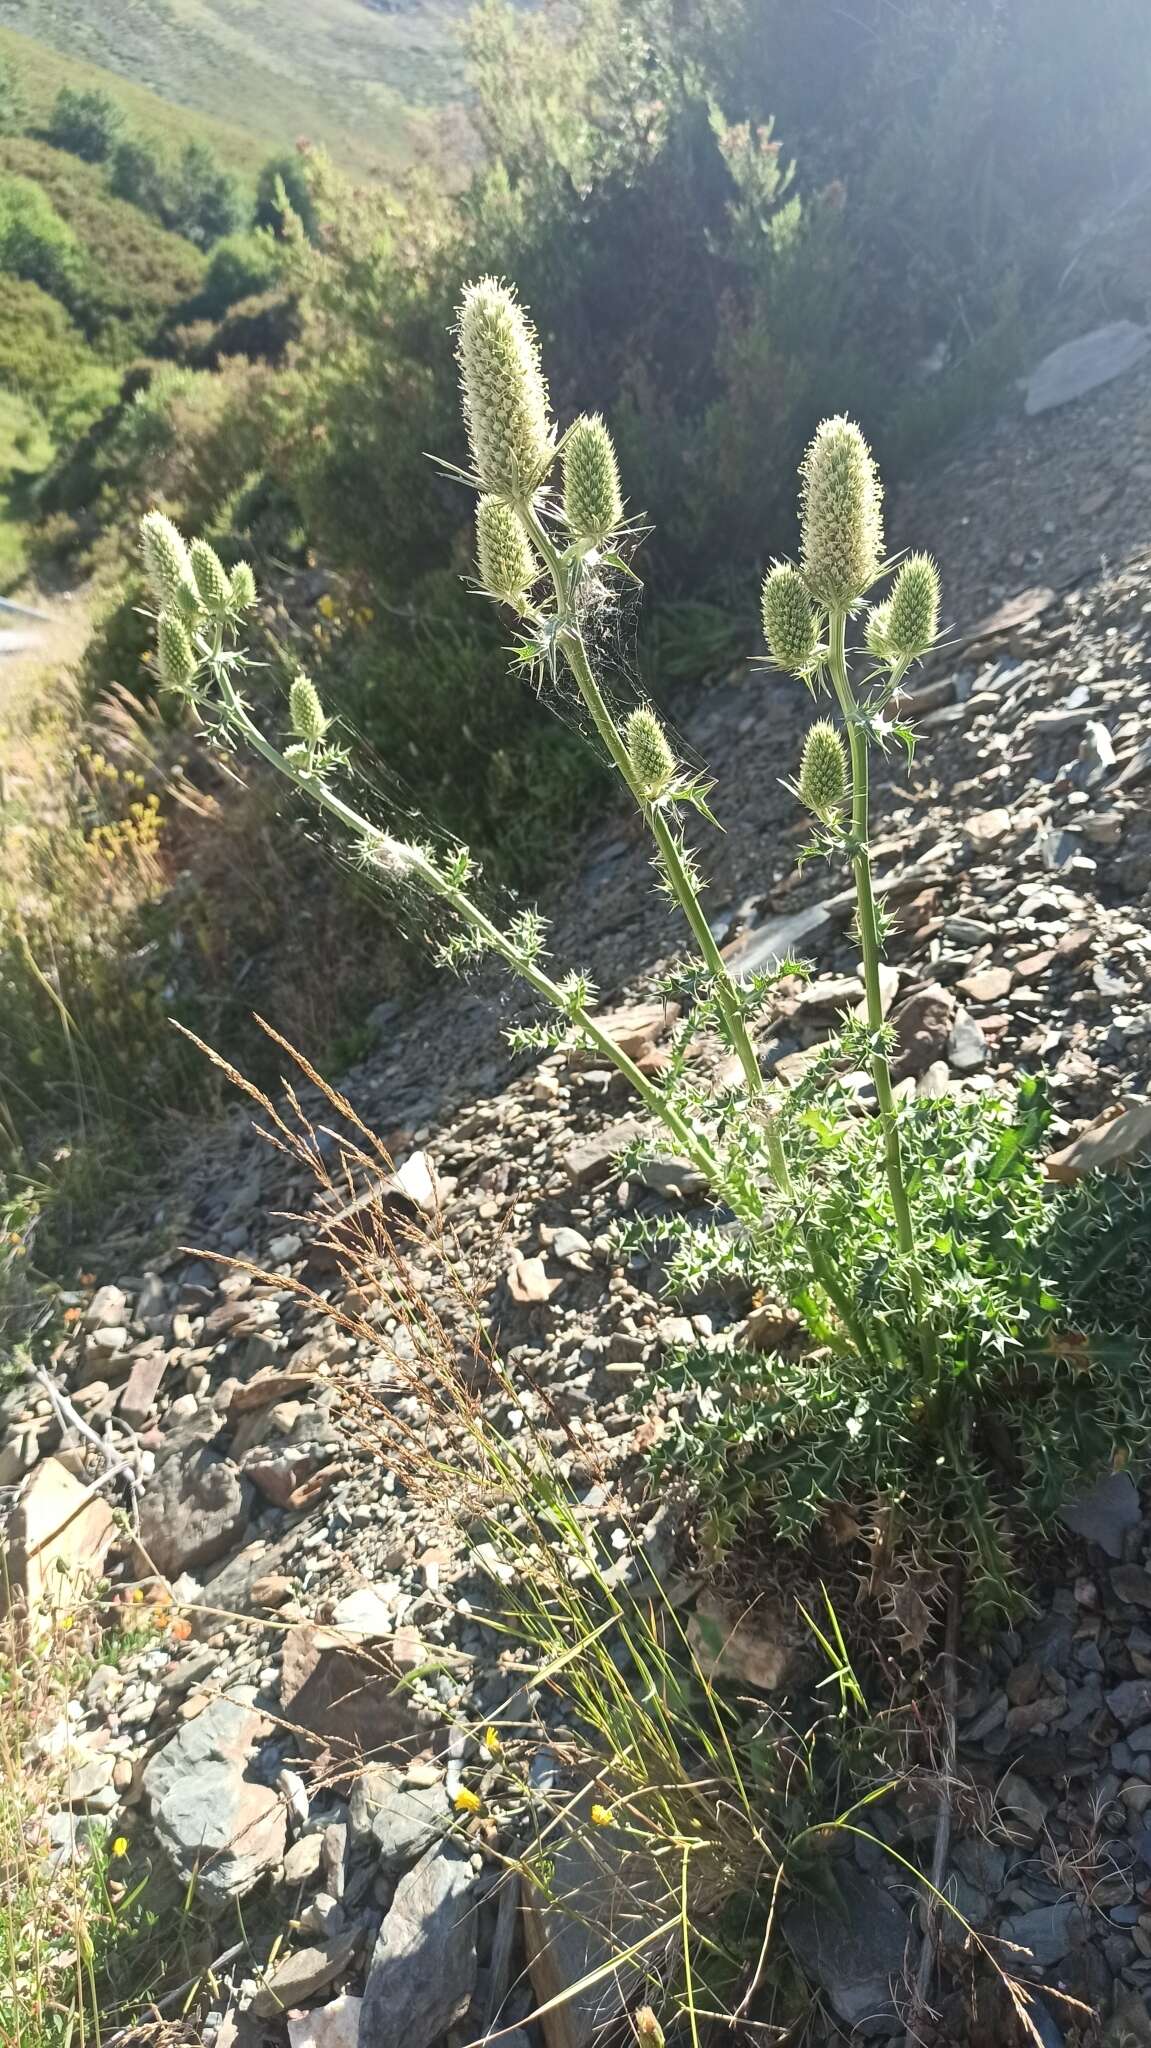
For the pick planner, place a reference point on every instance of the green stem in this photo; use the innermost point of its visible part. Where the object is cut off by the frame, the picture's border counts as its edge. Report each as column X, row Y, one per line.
column 696, row 1148
column 869, row 925
column 674, row 867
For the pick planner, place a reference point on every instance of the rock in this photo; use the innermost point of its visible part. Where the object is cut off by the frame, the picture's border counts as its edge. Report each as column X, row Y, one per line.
column 58, row 1536
column 988, row 986
column 1016, row 613
column 1131, row 1583
column 986, row 828
column 967, row 1045
column 922, row 1027
column 282, row 1250
column 335, row 2025
column 302, row 1973
column 88, row 1779
column 1113, row 1141
column 1048, row 1933
column 416, row 1179
column 193, row 1511
column 601, row 1899
column 423, row 1967
column 1081, row 365
column 529, row 1281
column 368, row 1613
column 107, row 1309
column 303, row 1859
column 1020, row 1811
column 638, row 1028
column 765, row 945
column 592, row 1159
column 1105, row 1514
column 852, row 1946
column 1130, row 1702
column 404, row 1820
column 271, row 1385
column 350, row 1702
column 138, row 1396
column 216, row 1824
column 756, row 1647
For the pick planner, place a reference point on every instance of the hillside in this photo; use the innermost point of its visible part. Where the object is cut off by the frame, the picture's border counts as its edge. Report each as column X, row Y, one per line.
column 339, row 71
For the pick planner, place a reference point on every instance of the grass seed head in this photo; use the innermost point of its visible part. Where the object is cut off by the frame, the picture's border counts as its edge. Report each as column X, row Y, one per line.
column 507, row 566
column 652, row 760
column 823, row 772
column 841, row 515
column 593, row 506
column 789, row 624
column 505, row 398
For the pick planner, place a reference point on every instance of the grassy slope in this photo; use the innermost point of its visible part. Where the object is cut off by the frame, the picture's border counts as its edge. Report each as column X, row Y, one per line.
column 340, row 71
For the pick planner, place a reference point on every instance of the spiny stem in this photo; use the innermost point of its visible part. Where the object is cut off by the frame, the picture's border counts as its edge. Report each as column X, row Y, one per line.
column 671, row 858
column 869, row 924
column 696, row 1147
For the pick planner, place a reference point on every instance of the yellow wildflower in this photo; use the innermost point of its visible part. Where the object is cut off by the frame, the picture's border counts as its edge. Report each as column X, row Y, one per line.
column 467, row 1801
column 120, row 1846
column 601, row 1817
column 491, row 1742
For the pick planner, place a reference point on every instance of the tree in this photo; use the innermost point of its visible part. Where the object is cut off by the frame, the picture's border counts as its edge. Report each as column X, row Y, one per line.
column 135, row 174
column 286, row 178
column 205, row 201
column 13, row 108
column 86, row 124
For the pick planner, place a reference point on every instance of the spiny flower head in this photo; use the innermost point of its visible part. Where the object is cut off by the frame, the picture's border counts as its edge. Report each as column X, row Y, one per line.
column 175, row 654
column 505, row 398
column 305, row 712
column 913, row 608
column 242, row 588
column 841, row 515
column 789, row 624
column 504, row 557
column 877, row 628
column 593, row 506
column 211, row 577
column 823, row 772
column 167, row 563
column 652, row 760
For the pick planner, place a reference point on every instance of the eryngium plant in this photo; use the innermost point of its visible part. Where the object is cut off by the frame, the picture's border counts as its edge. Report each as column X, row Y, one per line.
column 913, row 1242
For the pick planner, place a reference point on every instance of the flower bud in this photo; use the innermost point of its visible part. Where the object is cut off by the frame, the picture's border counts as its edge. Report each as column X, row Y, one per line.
column 841, row 517
column 242, row 589
column 593, row 506
column 913, row 608
column 505, row 398
column 167, row 563
column 652, row 760
column 175, row 654
column 648, row 2032
column 789, row 625
column 504, row 557
column 211, row 577
column 305, row 712
column 823, row 772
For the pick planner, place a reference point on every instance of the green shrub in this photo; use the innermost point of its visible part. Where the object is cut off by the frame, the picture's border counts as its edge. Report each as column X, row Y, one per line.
column 204, row 202
column 36, row 245
column 240, row 266
column 86, row 124
column 136, row 175
column 285, row 184
column 13, row 106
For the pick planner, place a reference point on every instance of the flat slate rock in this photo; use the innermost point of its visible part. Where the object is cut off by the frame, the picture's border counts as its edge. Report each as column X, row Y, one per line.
column 423, row 1967
column 853, row 1948
column 1080, row 366
column 1104, row 1515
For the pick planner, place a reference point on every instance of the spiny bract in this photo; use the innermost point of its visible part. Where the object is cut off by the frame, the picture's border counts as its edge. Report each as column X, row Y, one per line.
column 841, row 515
column 913, row 608
column 505, row 398
column 593, row 506
column 789, row 624
column 305, row 712
column 652, row 760
column 504, row 557
column 175, row 656
column 823, row 772
column 167, row 563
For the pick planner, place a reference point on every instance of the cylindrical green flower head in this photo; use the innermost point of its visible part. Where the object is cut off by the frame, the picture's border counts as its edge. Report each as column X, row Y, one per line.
column 505, row 398
column 242, row 588
column 305, row 712
column 593, row 506
column 789, row 624
column 913, row 608
column 175, row 654
column 212, row 579
column 841, row 515
column 823, row 772
column 167, row 563
column 652, row 760
column 504, row 557
column 877, row 627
